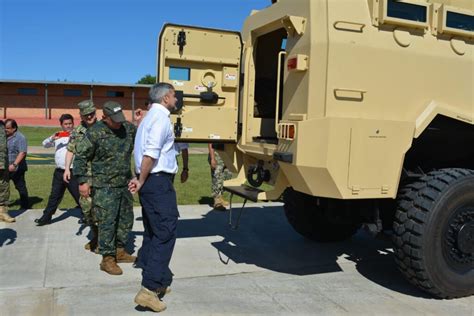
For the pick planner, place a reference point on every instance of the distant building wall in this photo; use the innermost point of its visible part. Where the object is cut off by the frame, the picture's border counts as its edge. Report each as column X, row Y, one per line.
column 42, row 103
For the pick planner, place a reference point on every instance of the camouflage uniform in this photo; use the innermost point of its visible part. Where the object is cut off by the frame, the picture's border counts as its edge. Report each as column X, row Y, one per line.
column 86, row 203
column 109, row 152
column 218, row 176
column 4, row 174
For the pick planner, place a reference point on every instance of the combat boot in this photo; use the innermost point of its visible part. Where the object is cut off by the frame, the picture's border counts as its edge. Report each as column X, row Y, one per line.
column 163, row 291
column 109, row 265
column 4, row 217
column 92, row 245
column 219, row 203
column 123, row 257
column 150, row 299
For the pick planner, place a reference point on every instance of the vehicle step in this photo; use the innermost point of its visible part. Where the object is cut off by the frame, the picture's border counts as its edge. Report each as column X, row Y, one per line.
column 244, row 191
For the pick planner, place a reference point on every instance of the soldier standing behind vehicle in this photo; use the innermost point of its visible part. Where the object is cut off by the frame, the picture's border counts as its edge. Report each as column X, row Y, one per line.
column 219, row 174
column 108, row 146
column 87, row 111
column 4, row 179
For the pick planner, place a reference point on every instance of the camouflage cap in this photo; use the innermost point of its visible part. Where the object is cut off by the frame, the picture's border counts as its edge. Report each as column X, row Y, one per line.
column 113, row 110
column 86, row 107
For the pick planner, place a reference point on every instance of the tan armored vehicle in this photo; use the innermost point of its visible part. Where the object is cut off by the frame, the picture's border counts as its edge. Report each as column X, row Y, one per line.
column 354, row 112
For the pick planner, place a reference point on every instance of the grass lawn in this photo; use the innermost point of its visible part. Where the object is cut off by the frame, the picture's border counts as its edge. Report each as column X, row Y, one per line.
column 36, row 135
column 197, row 190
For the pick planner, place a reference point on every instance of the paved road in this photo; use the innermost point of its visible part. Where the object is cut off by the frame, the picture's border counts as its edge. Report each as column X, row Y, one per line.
column 262, row 269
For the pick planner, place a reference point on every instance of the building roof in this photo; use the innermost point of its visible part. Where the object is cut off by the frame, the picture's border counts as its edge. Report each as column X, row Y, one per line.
column 76, row 83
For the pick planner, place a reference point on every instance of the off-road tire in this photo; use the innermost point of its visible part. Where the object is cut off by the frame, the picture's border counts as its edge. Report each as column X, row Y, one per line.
column 431, row 213
column 310, row 219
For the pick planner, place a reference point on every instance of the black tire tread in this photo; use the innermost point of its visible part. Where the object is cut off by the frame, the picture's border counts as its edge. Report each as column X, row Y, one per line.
column 414, row 201
column 307, row 219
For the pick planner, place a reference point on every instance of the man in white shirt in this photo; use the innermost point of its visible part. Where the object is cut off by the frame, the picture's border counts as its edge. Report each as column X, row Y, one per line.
column 59, row 140
column 155, row 164
column 182, row 149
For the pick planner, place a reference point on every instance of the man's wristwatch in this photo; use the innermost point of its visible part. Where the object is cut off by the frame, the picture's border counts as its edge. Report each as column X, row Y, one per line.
column 185, row 169
column 15, row 165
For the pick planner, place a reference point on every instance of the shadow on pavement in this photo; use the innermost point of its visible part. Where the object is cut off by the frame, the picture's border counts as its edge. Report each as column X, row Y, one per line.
column 7, row 236
column 266, row 240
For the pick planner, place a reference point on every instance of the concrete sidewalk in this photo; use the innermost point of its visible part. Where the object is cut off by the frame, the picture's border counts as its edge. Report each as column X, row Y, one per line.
column 265, row 268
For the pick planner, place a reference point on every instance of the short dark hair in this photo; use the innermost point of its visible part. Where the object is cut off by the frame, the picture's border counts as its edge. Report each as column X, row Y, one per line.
column 12, row 122
column 65, row 117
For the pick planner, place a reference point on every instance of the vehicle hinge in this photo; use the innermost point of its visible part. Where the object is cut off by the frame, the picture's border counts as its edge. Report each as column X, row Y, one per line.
column 181, row 41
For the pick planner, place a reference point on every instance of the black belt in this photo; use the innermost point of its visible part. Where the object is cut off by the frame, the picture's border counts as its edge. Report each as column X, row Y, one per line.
column 159, row 174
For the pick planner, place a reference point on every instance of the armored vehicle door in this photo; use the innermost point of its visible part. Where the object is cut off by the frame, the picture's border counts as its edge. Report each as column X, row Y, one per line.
column 204, row 67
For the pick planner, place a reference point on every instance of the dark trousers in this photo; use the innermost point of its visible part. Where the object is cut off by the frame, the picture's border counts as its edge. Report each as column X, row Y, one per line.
column 160, row 219
column 18, row 178
column 58, row 187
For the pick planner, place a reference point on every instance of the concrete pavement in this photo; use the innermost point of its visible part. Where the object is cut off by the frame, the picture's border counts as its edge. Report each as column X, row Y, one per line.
column 264, row 268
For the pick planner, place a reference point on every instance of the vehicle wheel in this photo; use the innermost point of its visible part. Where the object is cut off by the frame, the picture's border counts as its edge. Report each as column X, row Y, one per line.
column 318, row 219
column 434, row 233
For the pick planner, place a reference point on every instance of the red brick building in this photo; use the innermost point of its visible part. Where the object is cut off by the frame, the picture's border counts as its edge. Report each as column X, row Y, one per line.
column 42, row 102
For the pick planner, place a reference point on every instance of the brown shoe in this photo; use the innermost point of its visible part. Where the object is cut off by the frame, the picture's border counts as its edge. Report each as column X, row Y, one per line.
column 109, row 265
column 219, row 203
column 150, row 299
column 4, row 217
column 124, row 257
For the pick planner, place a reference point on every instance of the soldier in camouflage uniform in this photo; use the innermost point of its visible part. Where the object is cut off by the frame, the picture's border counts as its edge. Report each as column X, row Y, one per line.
column 4, row 177
column 219, row 174
column 108, row 146
column 88, row 118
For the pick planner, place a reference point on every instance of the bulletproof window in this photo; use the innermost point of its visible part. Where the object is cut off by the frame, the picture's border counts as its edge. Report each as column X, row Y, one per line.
column 180, row 73
column 27, row 91
column 406, row 11
column 72, row 92
column 460, row 21
column 115, row 94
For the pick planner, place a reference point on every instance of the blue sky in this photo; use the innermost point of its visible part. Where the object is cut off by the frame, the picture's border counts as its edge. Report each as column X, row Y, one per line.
column 100, row 40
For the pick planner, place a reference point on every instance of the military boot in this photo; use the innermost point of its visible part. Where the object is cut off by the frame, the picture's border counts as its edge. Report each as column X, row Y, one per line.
column 4, row 217
column 109, row 265
column 163, row 291
column 123, row 257
column 150, row 299
column 92, row 245
column 220, row 204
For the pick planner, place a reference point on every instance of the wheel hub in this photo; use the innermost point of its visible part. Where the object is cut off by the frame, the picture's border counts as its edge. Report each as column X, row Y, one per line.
column 459, row 239
column 466, row 238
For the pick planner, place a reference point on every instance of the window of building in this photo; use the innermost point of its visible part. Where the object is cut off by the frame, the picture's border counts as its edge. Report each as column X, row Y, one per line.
column 406, row 11
column 27, row 91
column 72, row 92
column 460, row 21
column 115, row 94
column 180, row 73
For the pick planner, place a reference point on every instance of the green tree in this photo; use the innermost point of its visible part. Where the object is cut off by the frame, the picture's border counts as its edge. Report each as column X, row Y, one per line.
column 147, row 79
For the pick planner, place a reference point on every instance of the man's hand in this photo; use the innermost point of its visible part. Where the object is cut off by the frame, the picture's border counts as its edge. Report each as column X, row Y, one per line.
column 213, row 164
column 184, row 175
column 11, row 168
column 67, row 175
column 84, row 190
column 134, row 185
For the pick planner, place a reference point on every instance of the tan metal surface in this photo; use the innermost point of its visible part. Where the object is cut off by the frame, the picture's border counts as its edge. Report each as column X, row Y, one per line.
column 358, row 85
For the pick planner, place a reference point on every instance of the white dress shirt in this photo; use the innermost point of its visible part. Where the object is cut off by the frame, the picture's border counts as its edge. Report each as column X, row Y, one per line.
column 60, row 145
column 155, row 138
